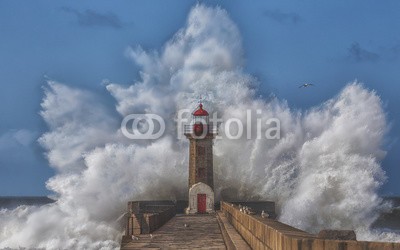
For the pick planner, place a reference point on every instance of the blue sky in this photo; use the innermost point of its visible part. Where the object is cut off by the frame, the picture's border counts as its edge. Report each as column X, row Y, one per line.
column 286, row 43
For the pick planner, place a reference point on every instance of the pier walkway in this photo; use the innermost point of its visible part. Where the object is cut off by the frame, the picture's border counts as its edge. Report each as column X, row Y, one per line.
column 189, row 232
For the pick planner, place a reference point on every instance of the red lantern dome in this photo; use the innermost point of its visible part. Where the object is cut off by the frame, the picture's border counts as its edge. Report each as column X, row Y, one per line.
column 200, row 111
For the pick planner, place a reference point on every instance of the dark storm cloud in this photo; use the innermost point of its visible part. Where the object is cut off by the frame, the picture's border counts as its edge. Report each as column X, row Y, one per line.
column 358, row 54
column 93, row 18
column 283, row 17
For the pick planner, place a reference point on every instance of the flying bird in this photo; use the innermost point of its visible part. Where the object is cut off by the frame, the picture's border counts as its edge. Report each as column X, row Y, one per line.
column 305, row 85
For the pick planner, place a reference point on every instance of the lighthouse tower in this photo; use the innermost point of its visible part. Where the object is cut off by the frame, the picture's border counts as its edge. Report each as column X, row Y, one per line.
column 201, row 175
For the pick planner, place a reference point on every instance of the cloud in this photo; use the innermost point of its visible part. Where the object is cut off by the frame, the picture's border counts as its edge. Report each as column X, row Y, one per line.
column 283, row 17
column 17, row 150
column 358, row 54
column 25, row 137
column 91, row 18
column 15, row 138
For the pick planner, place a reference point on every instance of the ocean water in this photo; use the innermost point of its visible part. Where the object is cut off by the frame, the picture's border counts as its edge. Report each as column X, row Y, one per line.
column 12, row 202
column 389, row 221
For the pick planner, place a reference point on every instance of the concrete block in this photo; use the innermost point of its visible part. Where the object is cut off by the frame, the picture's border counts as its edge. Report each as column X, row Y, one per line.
column 270, row 237
column 286, row 242
column 296, row 244
column 274, row 239
column 245, row 220
column 267, row 236
column 337, row 234
column 356, row 245
column 249, row 235
column 306, row 244
column 260, row 228
column 253, row 242
column 380, row 246
column 279, row 242
column 334, row 245
column 258, row 245
column 318, row 244
column 252, row 224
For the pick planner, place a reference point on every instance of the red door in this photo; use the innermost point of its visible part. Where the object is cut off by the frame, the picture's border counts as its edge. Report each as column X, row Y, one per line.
column 201, row 203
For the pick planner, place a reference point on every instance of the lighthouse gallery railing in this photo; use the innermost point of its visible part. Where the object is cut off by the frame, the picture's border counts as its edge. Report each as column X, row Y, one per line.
column 210, row 129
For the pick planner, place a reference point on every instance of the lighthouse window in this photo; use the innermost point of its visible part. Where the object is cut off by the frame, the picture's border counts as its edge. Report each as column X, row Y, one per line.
column 201, row 150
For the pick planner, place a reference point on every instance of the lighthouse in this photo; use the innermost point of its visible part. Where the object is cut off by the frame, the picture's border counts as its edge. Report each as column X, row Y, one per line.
column 201, row 174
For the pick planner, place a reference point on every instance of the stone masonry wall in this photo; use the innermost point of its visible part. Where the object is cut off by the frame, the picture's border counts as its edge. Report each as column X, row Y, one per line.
column 196, row 160
column 145, row 223
column 263, row 233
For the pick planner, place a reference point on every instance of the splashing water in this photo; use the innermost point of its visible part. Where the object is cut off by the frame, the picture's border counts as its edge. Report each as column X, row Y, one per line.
column 323, row 172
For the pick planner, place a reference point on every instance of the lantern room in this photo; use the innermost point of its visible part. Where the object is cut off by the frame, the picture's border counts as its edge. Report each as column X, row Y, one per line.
column 200, row 120
column 199, row 124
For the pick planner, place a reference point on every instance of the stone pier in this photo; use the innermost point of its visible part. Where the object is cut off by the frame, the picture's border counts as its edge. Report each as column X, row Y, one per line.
column 230, row 228
column 182, row 232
